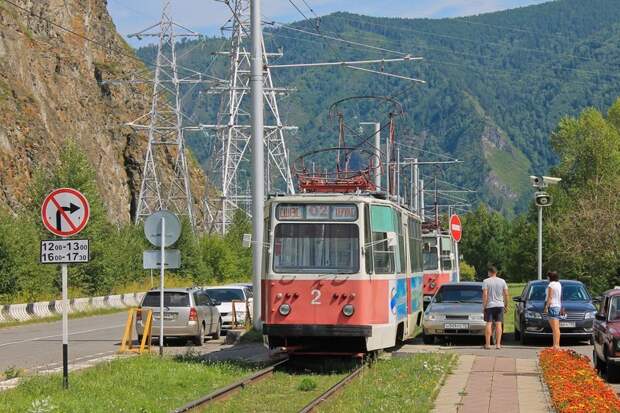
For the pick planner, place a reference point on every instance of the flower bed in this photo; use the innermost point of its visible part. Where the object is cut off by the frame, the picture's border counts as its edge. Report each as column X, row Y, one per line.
column 574, row 385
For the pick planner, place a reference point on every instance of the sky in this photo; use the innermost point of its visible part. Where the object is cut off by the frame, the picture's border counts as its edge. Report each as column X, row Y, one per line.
column 207, row 16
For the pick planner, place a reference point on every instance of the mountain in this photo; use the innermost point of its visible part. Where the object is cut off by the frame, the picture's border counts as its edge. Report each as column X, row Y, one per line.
column 54, row 55
column 497, row 84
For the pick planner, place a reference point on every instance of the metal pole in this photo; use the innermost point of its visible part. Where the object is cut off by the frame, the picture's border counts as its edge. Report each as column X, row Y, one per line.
column 416, row 184
column 540, row 243
column 457, row 261
column 422, row 214
column 378, row 154
column 65, row 328
column 161, row 286
column 258, row 161
column 388, row 168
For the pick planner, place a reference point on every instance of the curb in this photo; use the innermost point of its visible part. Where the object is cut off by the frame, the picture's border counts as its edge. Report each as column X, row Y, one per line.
column 43, row 309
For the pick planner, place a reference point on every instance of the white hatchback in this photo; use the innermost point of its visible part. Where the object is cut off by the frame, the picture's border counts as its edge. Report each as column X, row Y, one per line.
column 241, row 294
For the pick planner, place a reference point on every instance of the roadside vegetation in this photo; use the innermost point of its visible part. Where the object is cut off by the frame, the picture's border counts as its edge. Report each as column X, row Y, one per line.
column 403, row 383
column 581, row 230
column 135, row 384
column 116, row 250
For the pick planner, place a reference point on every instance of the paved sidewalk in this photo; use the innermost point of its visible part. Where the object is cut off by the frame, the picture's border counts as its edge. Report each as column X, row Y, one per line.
column 490, row 384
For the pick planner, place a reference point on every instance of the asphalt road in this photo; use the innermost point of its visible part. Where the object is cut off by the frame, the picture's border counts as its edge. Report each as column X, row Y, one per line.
column 39, row 346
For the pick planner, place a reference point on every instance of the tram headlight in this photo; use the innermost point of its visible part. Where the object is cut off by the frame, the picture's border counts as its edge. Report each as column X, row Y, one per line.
column 348, row 310
column 285, row 309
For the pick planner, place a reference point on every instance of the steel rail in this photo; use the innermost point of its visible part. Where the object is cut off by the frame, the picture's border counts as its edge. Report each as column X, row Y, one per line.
column 230, row 389
column 332, row 390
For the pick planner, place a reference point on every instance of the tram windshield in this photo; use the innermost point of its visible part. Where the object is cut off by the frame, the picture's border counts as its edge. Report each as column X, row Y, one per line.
column 316, row 248
column 429, row 251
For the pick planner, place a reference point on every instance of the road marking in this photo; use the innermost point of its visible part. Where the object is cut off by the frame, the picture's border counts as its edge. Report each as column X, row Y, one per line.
column 60, row 335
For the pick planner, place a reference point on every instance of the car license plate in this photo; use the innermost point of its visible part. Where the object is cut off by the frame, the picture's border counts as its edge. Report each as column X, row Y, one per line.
column 167, row 316
column 567, row 324
column 455, row 326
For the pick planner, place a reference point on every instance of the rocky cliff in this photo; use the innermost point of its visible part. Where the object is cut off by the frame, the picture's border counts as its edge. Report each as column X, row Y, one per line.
column 53, row 89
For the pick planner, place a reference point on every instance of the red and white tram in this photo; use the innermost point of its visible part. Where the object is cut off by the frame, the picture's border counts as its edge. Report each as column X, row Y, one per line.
column 440, row 264
column 342, row 273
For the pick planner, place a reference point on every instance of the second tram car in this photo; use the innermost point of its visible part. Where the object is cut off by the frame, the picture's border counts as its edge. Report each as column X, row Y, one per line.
column 342, row 273
column 439, row 261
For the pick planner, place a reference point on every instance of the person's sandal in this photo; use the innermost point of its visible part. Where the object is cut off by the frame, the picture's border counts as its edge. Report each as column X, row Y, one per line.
column 487, row 347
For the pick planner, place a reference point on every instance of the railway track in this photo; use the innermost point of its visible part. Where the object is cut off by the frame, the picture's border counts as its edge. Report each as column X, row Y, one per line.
column 329, row 393
column 227, row 391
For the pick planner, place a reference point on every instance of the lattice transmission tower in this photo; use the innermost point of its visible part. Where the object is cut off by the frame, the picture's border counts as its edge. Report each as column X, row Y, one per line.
column 232, row 126
column 164, row 126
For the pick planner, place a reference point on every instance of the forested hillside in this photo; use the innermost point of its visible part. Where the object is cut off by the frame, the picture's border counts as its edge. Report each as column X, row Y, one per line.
column 496, row 84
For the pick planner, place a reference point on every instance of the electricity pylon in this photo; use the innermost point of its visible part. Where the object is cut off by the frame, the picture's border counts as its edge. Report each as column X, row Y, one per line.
column 164, row 126
column 233, row 123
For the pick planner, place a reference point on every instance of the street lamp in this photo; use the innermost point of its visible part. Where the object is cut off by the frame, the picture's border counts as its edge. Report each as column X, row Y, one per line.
column 542, row 199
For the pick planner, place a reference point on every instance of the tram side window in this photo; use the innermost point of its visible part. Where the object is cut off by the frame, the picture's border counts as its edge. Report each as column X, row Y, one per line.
column 446, row 254
column 401, row 263
column 415, row 245
column 368, row 251
column 382, row 222
column 429, row 249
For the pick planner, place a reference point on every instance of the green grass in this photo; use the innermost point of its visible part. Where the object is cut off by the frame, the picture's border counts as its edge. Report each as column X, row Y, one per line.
column 401, row 384
column 136, row 384
column 81, row 314
column 282, row 393
column 514, row 290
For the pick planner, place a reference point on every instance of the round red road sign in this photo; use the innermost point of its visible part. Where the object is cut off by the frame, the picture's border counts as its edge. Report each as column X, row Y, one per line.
column 456, row 230
column 65, row 212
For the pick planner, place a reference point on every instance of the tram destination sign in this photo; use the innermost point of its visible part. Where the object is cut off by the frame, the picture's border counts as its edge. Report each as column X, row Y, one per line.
column 317, row 212
column 65, row 251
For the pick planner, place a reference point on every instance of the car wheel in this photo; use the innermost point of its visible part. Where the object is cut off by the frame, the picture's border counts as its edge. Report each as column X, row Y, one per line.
column 517, row 334
column 140, row 338
column 428, row 339
column 218, row 332
column 613, row 375
column 591, row 340
column 598, row 364
column 524, row 339
column 200, row 338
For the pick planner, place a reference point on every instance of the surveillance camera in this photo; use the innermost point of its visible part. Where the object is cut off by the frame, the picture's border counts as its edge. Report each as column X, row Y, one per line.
column 542, row 199
column 551, row 180
column 537, row 181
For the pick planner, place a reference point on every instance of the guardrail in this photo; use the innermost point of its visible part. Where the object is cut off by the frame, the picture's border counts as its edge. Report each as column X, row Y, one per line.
column 43, row 309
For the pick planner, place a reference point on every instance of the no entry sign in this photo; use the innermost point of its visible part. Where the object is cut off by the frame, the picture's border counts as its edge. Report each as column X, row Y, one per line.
column 455, row 228
column 65, row 212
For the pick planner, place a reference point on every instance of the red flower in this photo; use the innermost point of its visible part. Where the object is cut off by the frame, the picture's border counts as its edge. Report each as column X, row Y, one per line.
column 574, row 385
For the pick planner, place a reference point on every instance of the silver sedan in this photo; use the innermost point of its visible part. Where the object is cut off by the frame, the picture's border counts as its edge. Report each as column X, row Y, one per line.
column 455, row 310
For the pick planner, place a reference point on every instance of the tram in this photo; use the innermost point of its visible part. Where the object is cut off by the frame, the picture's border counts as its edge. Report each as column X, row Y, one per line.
column 343, row 273
column 440, row 264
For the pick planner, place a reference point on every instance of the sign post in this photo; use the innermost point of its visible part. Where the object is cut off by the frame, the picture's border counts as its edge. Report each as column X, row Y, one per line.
column 162, row 229
column 65, row 212
column 456, row 230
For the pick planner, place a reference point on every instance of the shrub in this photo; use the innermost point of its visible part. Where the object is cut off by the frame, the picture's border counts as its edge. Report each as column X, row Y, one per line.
column 306, row 384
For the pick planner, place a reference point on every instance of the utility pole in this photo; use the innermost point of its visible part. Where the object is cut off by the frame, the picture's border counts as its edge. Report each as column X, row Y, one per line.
column 233, row 128
column 377, row 151
column 164, row 126
column 258, row 158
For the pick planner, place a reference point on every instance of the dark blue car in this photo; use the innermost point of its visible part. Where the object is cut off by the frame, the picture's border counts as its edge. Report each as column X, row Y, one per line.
column 576, row 301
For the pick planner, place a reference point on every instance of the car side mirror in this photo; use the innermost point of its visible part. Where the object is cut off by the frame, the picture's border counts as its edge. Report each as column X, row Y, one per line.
column 599, row 316
column 596, row 300
column 216, row 303
column 517, row 299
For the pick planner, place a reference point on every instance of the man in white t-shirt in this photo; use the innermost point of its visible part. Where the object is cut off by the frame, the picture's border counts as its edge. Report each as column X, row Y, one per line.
column 494, row 305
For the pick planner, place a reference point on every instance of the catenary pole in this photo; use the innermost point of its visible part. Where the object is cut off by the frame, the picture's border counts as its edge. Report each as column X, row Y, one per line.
column 258, row 162
column 540, row 243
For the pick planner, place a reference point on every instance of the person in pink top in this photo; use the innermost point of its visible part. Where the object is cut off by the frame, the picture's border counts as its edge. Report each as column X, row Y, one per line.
column 553, row 306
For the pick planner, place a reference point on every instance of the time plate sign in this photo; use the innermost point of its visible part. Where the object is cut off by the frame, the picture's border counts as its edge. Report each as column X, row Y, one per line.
column 65, row 251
